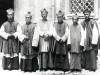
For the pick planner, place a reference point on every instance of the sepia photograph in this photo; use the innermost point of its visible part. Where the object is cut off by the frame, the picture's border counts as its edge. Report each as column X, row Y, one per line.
column 50, row 37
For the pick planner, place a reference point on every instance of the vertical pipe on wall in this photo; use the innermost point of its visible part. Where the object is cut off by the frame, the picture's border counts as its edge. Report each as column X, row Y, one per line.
column 99, row 8
column 53, row 7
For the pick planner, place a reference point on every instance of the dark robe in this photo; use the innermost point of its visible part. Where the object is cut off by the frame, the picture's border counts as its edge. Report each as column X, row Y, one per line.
column 75, row 53
column 89, row 54
column 1, row 42
column 45, row 54
column 99, row 41
column 10, row 46
column 31, row 62
column 61, row 59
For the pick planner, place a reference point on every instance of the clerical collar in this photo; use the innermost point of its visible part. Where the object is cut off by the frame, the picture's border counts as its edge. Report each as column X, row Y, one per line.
column 28, row 23
column 60, row 22
column 44, row 20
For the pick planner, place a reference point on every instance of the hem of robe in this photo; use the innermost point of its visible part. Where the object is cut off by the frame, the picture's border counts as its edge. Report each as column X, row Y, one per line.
column 45, row 60
column 89, row 60
column 61, row 62
column 75, row 61
column 60, row 69
column 10, row 63
column 28, row 65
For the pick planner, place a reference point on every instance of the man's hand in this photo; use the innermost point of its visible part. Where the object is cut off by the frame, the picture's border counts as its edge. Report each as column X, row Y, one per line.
column 93, row 46
column 61, row 41
column 81, row 48
column 69, row 47
column 46, row 36
column 26, row 38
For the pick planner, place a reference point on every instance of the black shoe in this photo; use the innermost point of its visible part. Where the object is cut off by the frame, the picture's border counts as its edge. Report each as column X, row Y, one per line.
column 93, row 70
column 87, row 69
column 34, row 70
column 72, row 70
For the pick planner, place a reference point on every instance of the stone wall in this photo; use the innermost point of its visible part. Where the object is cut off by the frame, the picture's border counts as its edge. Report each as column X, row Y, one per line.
column 21, row 7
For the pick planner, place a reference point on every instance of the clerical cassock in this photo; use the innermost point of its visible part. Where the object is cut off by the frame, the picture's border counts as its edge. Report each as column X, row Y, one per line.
column 41, row 38
column 29, row 61
column 89, row 40
column 74, row 43
column 60, row 33
column 9, row 33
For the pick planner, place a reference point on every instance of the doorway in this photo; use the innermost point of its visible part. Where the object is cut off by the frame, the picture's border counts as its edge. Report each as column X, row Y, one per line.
column 4, row 5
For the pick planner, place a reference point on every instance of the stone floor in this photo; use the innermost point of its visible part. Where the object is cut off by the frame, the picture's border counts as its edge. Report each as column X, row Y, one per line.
column 84, row 72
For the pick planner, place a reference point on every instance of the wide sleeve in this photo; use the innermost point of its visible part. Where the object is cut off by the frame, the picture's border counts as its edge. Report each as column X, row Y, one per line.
column 82, row 36
column 41, row 33
column 55, row 35
column 3, row 34
column 95, row 35
column 35, row 40
column 65, row 36
column 21, row 37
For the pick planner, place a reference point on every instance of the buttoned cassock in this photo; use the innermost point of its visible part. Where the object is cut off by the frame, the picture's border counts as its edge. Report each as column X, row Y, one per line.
column 61, row 60
column 28, row 54
column 10, row 45
column 75, row 52
column 89, row 39
column 27, row 31
column 43, row 27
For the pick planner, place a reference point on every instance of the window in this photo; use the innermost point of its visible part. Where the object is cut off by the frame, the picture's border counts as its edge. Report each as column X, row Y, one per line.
column 77, row 6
